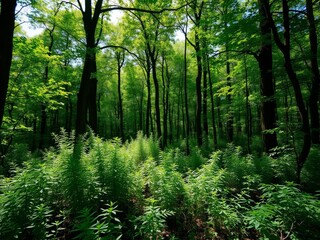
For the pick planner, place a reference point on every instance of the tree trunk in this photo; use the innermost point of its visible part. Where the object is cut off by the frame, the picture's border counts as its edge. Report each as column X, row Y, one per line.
column 285, row 49
column 204, row 99
column 248, row 126
column 198, row 90
column 215, row 140
column 314, row 95
column 268, row 104
column 148, row 110
column 7, row 19
column 157, row 96
column 186, row 105
column 120, row 61
column 229, row 100
column 87, row 103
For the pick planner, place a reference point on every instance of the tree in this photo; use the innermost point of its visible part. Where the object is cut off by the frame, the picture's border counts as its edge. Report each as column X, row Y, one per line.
column 285, row 48
column 7, row 24
column 268, row 103
column 314, row 95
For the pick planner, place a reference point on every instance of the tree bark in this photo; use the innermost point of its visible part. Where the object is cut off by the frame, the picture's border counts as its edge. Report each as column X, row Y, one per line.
column 120, row 61
column 86, row 103
column 215, row 140
column 314, row 95
column 186, row 105
column 229, row 100
column 285, row 49
column 268, row 102
column 7, row 20
column 204, row 98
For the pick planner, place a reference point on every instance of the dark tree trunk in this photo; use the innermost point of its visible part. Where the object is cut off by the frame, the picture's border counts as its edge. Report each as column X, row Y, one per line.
column 229, row 100
column 204, row 99
column 43, row 122
column 165, row 98
column 120, row 61
column 285, row 49
column 157, row 95
column 215, row 140
column 186, row 105
column 197, row 11
column 268, row 104
column 248, row 109
column 148, row 111
column 198, row 90
column 7, row 19
column 314, row 95
column 87, row 103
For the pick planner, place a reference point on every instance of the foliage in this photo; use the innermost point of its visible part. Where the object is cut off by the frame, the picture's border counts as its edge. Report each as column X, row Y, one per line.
column 89, row 188
column 151, row 224
column 104, row 226
column 285, row 211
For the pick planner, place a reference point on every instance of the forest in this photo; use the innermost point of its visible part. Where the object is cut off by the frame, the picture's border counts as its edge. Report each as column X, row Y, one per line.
column 159, row 119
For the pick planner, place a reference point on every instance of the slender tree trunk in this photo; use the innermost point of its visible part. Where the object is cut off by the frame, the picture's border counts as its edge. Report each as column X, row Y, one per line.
column 157, row 96
column 120, row 61
column 148, row 114
column 215, row 140
column 198, row 90
column 204, row 99
column 230, row 111
column 186, row 105
column 7, row 19
column 248, row 108
column 43, row 122
column 285, row 49
column 314, row 95
column 268, row 104
column 165, row 98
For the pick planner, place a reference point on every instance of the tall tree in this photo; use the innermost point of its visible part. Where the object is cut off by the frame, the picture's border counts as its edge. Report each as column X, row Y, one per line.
column 7, row 20
column 264, row 58
column 197, row 8
column 86, row 104
column 314, row 95
column 285, row 48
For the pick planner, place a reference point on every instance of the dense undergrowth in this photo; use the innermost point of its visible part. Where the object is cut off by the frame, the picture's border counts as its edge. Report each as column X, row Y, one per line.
column 96, row 189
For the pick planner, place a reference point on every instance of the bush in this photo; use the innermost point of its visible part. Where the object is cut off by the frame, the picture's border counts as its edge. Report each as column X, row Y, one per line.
column 285, row 212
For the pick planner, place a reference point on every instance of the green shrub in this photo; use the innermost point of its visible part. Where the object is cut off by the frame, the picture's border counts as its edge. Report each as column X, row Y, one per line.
column 143, row 148
column 104, row 226
column 285, row 211
column 166, row 184
column 310, row 172
column 237, row 167
column 153, row 221
column 21, row 200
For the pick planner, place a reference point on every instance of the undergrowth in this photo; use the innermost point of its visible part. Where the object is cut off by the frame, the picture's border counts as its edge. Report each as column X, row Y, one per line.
column 89, row 188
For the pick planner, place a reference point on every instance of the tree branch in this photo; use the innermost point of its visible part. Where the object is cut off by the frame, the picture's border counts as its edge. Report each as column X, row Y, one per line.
column 116, row 7
column 123, row 48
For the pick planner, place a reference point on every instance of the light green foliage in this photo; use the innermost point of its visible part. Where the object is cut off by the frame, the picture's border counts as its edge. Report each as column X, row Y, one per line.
column 237, row 166
column 143, row 148
column 285, row 211
column 166, row 184
column 201, row 184
column 68, row 192
column 152, row 222
column 104, row 226
column 23, row 202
